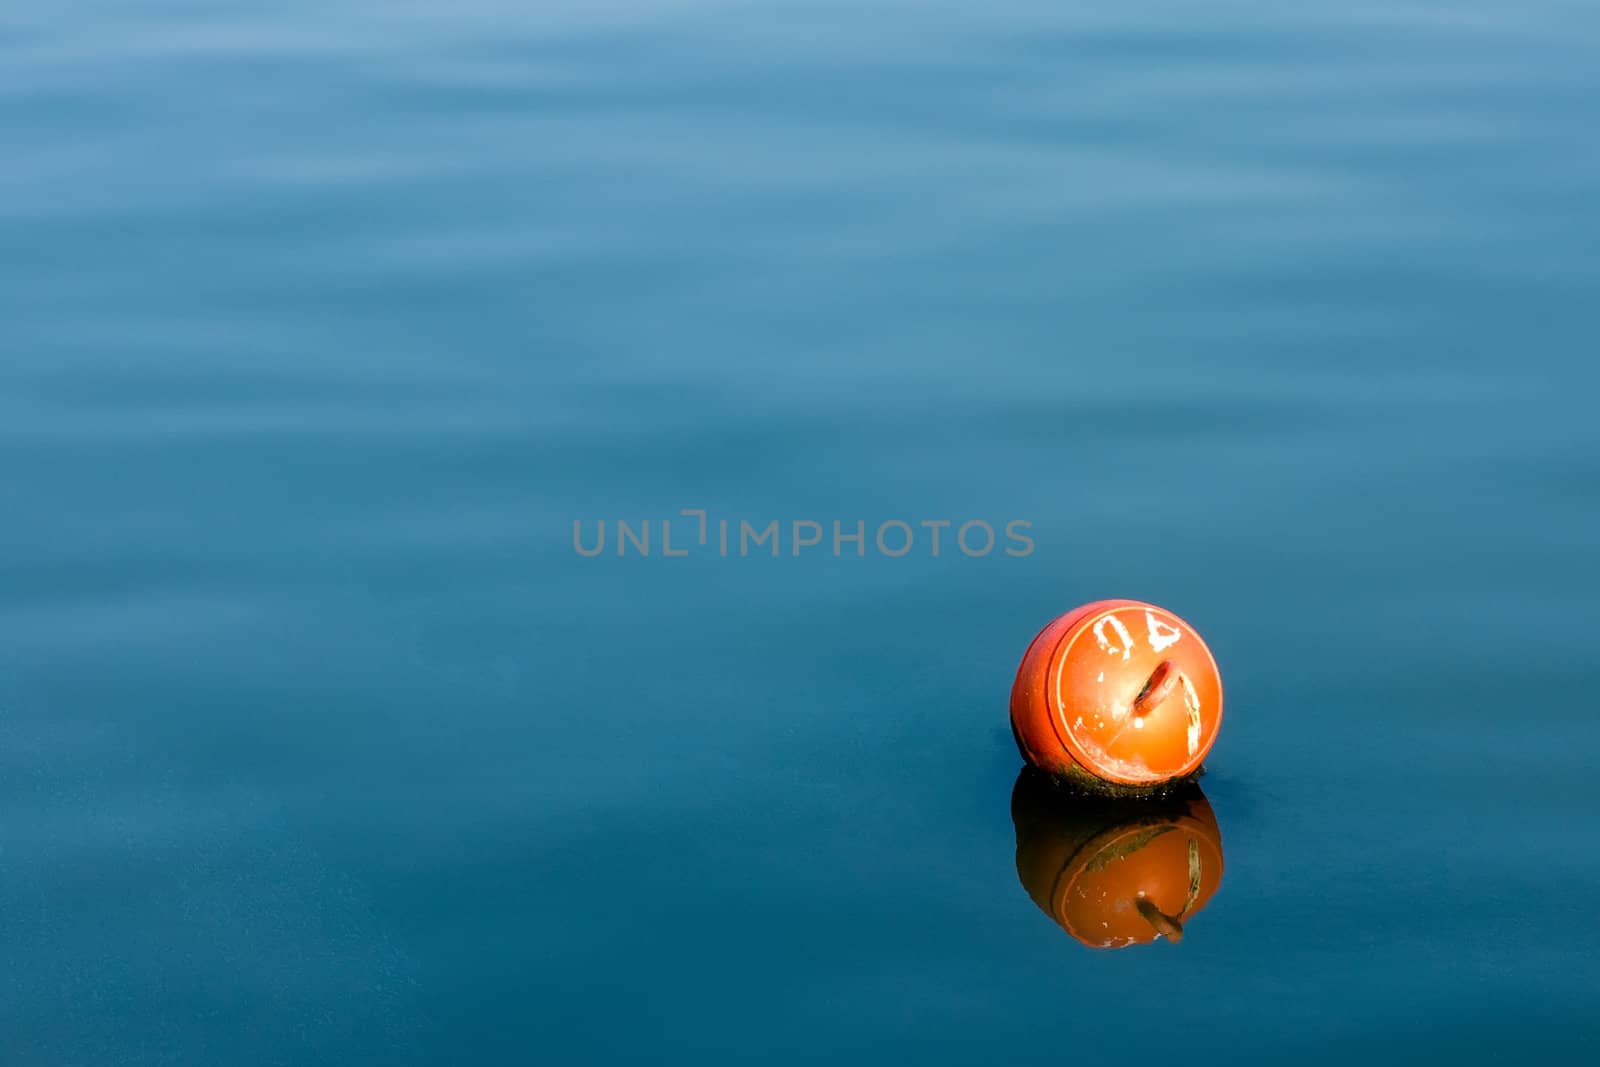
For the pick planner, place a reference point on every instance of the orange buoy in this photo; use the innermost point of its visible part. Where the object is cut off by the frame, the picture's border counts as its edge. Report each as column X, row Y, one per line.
column 1117, row 695
column 1115, row 874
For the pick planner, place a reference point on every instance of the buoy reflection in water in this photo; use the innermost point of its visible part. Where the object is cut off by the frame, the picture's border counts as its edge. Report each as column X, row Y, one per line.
column 1114, row 873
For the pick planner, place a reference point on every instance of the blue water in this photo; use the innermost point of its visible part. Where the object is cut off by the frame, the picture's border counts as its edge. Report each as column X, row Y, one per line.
column 320, row 325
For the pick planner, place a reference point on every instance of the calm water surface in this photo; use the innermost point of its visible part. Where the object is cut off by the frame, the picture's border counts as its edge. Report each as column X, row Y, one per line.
column 321, row 323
